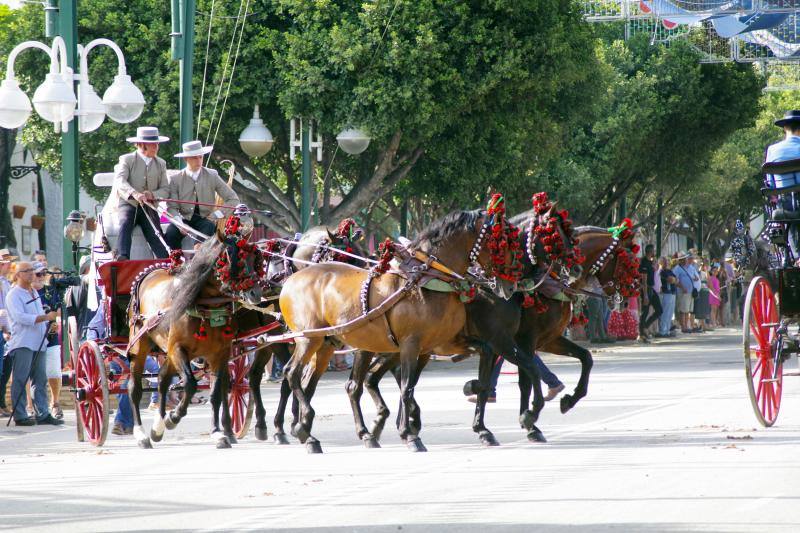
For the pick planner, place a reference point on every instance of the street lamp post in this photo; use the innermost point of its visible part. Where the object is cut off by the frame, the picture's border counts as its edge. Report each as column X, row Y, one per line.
column 55, row 101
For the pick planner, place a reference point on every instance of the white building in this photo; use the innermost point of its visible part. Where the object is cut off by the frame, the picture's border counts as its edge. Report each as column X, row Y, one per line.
column 24, row 198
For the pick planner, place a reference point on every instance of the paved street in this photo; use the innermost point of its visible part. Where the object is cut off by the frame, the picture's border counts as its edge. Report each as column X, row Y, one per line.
column 665, row 441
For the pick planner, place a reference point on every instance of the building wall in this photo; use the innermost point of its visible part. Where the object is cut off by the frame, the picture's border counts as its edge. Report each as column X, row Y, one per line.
column 25, row 192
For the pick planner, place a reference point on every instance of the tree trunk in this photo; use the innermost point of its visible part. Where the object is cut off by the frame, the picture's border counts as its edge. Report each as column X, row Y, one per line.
column 7, row 142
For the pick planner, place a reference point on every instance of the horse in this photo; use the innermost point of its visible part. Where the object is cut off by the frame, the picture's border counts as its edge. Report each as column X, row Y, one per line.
column 610, row 257
column 318, row 245
column 170, row 308
column 334, row 300
column 492, row 325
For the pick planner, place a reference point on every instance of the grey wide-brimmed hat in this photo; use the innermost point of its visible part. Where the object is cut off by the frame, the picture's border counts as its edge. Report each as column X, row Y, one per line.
column 147, row 134
column 193, row 148
column 789, row 117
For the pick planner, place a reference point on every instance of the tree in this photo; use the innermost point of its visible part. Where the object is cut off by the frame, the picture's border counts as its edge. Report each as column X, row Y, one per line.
column 425, row 78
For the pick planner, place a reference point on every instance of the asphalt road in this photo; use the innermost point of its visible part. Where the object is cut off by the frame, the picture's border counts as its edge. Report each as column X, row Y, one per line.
column 665, row 441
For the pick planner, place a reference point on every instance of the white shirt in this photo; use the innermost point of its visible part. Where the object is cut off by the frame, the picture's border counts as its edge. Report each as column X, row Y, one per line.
column 23, row 306
column 147, row 160
column 196, row 174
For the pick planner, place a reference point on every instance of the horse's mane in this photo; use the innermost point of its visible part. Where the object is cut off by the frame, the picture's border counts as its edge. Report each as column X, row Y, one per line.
column 522, row 218
column 193, row 277
column 581, row 230
column 443, row 228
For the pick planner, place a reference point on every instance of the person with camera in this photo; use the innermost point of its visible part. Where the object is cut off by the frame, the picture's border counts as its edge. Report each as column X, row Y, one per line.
column 43, row 283
column 29, row 327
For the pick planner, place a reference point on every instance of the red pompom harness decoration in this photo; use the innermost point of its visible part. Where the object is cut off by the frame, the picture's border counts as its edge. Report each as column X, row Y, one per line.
column 560, row 249
column 503, row 240
column 241, row 278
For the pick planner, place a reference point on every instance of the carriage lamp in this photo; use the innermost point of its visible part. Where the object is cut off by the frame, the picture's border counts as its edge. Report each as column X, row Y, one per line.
column 73, row 230
column 256, row 140
column 353, row 140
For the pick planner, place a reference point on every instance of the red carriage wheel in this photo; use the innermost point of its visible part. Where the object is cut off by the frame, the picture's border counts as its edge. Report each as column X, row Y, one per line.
column 240, row 400
column 91, row 396
column 759, row 332
column 72, row 329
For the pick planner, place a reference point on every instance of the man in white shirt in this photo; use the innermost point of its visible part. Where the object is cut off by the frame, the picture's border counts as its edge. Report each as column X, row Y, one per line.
column 6, row 362
column 198, row 184
column 29, row 325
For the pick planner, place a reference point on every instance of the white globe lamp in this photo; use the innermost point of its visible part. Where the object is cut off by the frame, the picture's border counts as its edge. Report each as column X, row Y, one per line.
column 16, row 107
column 256, row 140
column 353, row 140
column 123, row 100
column 54, row 100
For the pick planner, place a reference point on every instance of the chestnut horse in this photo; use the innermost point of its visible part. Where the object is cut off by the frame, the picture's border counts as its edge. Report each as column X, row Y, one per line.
column 417, row 324
column 225, row 269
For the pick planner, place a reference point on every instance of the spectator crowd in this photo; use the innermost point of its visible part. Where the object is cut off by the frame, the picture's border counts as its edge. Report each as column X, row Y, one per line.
column 684, row 293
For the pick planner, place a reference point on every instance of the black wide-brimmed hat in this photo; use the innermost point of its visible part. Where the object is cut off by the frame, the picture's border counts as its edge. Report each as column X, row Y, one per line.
column 790, row 117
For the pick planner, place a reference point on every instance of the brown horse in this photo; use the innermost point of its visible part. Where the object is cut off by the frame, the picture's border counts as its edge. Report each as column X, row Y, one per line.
column 197, row 315
column 531, row 329
column 419, row 323
column 544, row 331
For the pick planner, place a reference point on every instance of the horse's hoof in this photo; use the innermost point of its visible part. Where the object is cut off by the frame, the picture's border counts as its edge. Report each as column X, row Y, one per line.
column 155, row 437
column 169, row 422
column 145, row 444
column 536, row 435
column 232, row 438
column 371, row 442
column 293, row 431
column 472, row 387
column 260, row 433
column 415, row 445
column 302, row 434
column 280, row 438
column 487, row 439
column 313, row 446
column 223, row 443
column 566, row 403
column 527, row 419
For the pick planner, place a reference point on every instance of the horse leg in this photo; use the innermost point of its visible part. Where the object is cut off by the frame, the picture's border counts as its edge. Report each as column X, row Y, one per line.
column 409, row 375
column 254, row 378
column 189, row 388
column 528, row 417
column 414, row 413
column 283, row 354
column 385, row 364
column 304, row 350
column 355, row 388
column 165, row 374
column 320, row 366
column 481, row 390
column 562, row 346
column 135, row 395
column 224, row 381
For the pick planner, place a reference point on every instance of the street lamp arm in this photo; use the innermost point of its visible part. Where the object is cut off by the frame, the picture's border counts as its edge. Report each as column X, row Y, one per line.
column 121, row 69
column 24, row 46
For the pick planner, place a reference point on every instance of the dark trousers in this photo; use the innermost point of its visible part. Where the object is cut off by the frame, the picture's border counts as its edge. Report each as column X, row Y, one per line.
column 596, row 329
column 7, row 363
column 174, row 237
column 130, row 216
column 653, row 301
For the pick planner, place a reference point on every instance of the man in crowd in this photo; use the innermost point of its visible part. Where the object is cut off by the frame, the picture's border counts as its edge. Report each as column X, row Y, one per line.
column 694, row 272
column 138, row 177
column 195, row 183
column 29, row 325
column 649, row 295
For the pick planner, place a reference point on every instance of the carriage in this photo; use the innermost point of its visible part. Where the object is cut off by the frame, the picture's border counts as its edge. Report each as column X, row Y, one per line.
column 771, row 313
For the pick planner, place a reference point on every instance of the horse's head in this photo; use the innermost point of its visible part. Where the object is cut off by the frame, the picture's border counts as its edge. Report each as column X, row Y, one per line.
column 240, row 266
column 611, row 256
column 497, row 248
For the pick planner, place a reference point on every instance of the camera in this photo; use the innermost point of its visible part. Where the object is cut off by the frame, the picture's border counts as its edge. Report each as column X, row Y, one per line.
column 62, row 280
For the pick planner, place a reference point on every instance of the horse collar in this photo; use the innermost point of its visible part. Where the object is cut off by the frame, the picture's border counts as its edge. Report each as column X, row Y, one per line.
column 476, row 248
column 531, row 241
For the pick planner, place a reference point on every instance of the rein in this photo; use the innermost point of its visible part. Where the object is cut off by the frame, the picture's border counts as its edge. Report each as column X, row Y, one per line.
column 317, row 245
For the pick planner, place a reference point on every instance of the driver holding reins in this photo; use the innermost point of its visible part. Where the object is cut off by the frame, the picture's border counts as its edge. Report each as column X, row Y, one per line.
column 786, row 150
column 138, row 177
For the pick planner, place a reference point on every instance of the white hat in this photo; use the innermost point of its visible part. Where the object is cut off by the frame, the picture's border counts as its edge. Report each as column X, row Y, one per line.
column 193, row 148
column 6, row 256
column 38, row 266
column 147, row 134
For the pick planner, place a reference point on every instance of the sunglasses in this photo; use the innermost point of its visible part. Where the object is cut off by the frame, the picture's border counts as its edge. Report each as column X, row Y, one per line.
column 41, row 274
